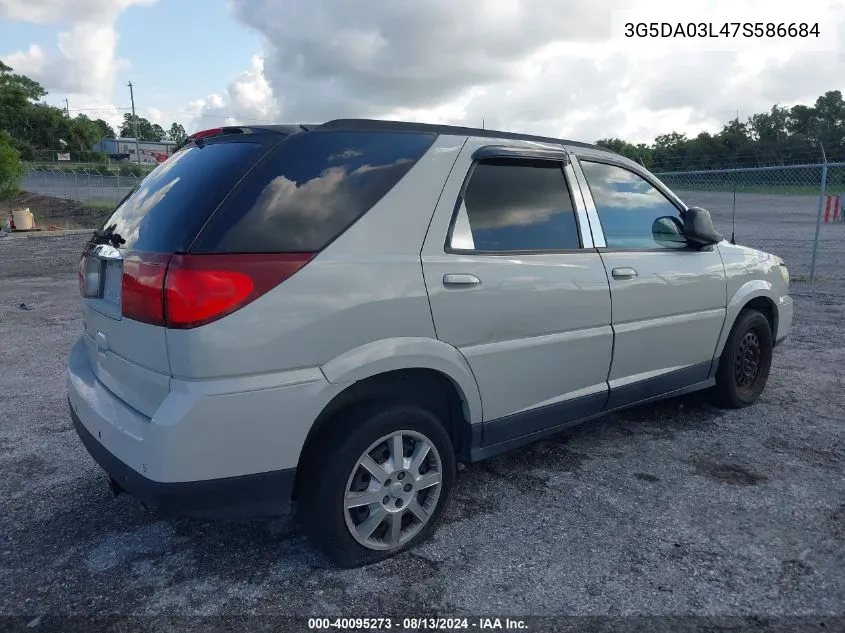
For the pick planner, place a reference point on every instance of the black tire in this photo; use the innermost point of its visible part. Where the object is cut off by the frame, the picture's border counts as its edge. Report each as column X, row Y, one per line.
column 745, row 362
column 332, row 466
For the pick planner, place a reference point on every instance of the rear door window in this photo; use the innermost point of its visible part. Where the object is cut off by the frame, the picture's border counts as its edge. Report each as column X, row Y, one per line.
column 512, row 205
column 310, row 189
column 165, row 211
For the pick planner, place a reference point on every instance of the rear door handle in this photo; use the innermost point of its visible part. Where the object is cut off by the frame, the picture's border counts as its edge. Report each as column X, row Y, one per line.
column 624, row 273
column 460, row 280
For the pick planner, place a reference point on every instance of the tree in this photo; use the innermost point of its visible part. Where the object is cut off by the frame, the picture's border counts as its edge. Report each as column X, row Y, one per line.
column 670, row 150
column 621, row 147
column 16, row 96
column 106, row 130
column 141, row 128
column 177, row 133
column 11, row 168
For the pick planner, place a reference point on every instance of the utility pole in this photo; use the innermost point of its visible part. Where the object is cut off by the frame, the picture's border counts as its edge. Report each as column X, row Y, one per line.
column 134, row 124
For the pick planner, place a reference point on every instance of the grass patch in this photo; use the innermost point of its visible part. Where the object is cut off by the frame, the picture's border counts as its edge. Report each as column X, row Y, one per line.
column 94, row 204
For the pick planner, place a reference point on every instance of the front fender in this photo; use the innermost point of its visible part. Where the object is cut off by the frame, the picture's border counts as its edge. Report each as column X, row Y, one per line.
column 746, row 292
column 393, row 354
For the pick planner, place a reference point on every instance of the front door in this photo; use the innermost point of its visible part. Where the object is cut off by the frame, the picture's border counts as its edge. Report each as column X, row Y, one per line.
column 668, row 297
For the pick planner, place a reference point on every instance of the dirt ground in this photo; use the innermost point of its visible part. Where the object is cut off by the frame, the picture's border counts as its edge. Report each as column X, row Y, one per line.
column 56, row 212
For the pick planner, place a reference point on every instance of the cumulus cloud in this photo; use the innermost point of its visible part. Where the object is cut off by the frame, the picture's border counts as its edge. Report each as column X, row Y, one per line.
column 530, row 64
column 50, row 11
column 85, row 65
column 247, row 99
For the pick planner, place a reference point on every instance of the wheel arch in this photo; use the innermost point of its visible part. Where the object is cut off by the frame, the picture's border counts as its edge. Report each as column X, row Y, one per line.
column 426, row 372
column 428, row 388
column 757, row 295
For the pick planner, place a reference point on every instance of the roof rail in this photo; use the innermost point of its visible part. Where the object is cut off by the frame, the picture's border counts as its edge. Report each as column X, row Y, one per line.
column 407, row 126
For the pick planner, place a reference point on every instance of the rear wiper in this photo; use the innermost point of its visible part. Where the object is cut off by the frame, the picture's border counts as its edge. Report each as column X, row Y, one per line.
column 108, row 236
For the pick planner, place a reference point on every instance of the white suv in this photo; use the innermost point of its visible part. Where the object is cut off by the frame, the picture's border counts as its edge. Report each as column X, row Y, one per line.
column 336, row 314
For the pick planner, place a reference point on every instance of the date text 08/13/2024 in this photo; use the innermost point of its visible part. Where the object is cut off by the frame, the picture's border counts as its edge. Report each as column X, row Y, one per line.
column 417, row 624
column 726, row 29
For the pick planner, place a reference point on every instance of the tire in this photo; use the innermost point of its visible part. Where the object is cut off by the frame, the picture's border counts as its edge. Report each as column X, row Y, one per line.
column 745, row 362
column 334, row 474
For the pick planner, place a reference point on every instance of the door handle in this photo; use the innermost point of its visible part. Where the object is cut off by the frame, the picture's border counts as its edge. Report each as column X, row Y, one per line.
column 460, row 279
column 624, row 273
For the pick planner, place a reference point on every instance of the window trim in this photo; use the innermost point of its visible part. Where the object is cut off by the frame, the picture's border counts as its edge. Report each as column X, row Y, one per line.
column 650, row 179
column 527, row 153
column 523, row 155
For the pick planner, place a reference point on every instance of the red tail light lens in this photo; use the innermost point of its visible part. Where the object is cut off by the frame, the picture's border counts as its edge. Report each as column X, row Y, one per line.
column 200, row 289
column 141, row 291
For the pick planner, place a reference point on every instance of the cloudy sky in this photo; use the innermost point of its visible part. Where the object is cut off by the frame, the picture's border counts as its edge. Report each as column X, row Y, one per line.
column 541, row 66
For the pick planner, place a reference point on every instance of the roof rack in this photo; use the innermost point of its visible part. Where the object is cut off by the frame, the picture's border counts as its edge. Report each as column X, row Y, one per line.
column 406, row 126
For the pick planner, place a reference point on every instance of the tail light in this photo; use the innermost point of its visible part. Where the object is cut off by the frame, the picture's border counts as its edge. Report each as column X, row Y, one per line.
column 205, row 133
column 187, row 291
column 141, row 296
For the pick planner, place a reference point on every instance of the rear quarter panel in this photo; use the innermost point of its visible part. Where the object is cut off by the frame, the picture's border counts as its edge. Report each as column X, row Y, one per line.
column 366, row 286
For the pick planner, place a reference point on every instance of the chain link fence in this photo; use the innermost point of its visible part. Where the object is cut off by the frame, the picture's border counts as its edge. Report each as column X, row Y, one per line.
column 83, row 183
column 792, row 211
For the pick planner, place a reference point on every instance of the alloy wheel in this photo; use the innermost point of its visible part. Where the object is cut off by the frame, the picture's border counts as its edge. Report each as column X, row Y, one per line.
column 393, row 490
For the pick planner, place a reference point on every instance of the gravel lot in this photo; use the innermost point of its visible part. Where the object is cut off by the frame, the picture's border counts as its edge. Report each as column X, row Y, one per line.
column 780, row 224
column 677, row 508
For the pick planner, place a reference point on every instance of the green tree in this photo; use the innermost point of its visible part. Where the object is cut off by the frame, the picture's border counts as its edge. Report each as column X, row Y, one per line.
column 106, row 130
column 669, row 151
column 143, row 128
column 11, row 168
column 177, row 133
column 17, row 93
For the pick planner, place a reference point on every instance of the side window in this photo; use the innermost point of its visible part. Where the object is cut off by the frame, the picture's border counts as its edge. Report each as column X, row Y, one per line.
column 633, row 213
column 515, row 205
column 310, row 189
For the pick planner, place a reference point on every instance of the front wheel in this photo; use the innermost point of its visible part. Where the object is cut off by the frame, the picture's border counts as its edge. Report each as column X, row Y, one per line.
column 378, row 483
column 745, row 361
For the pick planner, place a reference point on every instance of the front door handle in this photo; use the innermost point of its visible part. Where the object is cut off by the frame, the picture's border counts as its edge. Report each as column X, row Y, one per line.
column 624, row 273
column 460, row 280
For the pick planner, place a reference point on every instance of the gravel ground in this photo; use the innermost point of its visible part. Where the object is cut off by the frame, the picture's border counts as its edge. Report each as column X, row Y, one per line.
column 676, row 508
column 780, row 224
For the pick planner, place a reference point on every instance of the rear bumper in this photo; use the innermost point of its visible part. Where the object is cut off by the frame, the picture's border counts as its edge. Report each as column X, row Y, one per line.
column 225, row 448
column 262, row 494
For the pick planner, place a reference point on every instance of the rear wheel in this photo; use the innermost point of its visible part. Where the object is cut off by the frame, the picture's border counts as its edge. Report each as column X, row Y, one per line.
column 745, row 362
column 377, row 483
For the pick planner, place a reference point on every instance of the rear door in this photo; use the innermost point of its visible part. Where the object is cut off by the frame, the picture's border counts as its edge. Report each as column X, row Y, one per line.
column 119, row 272
column 514, row 284
column 668, row 297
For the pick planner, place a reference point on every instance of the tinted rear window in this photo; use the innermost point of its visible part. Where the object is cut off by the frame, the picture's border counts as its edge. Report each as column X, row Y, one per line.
column 310, row 189
column 166, row 210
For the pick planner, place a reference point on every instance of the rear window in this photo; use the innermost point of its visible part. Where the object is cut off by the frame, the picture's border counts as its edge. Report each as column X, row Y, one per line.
column 310, row 189
column 165, row 211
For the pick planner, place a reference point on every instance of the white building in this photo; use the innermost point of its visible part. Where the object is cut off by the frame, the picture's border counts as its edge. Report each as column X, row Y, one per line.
column 151, row 152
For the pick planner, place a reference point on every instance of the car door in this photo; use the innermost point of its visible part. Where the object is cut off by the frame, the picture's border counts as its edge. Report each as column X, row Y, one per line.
column 668, row 297
column 515, row 285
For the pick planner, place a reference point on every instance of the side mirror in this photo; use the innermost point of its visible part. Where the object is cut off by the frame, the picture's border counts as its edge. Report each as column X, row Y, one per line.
column 699, row 229
column 668, row 231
